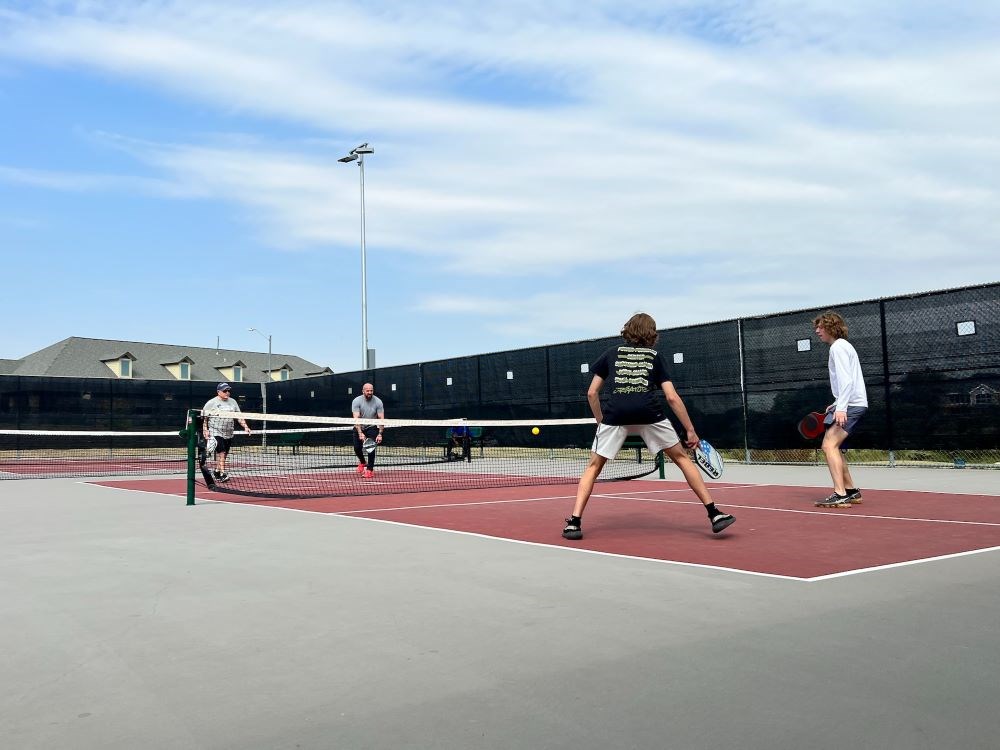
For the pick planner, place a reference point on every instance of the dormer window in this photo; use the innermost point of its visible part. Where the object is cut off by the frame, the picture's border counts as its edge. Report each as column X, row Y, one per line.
column 281, row 373
column 180, row 369
column 233, row 373
column 120, row 364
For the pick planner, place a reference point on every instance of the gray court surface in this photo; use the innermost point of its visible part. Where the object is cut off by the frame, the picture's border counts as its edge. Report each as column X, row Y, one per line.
column 132, row 621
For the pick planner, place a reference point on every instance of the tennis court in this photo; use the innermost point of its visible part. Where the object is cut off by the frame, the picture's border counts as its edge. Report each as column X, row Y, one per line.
column 463, row 619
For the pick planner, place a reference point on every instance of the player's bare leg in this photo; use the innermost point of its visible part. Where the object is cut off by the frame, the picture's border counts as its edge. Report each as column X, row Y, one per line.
column 586, row 486
column 839, row 473
column 691, row 474
column 848, row 480
column 573, row 529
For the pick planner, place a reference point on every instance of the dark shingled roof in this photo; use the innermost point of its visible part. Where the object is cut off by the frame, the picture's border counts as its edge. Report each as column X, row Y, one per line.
column 85, row 358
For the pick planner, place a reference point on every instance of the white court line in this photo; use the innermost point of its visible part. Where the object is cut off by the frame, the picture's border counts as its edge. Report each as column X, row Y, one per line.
column 454, row 505
column 629, row 496
column 620, row 556
column 837, row 514
column 347, row 515
column 611, row 496
column 905, row 564
column 434, row 529
column 614, row 496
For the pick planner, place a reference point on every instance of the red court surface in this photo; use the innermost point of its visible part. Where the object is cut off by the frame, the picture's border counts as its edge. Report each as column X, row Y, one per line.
column 778, row 531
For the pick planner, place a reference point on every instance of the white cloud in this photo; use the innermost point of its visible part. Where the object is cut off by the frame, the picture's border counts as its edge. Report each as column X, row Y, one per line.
column 773, row 137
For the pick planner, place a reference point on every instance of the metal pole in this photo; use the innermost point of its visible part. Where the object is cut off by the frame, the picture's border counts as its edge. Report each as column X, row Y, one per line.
column 267, row 386
column 263, row 437
column 364, row 271
column 358, row 154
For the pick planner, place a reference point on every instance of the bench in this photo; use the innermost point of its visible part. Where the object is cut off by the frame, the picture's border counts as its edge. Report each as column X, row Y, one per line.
column 634, row 442
column 286, row 440
column 466, row 441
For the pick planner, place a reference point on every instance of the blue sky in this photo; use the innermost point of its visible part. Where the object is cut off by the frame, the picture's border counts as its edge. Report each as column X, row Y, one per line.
column 169, row 174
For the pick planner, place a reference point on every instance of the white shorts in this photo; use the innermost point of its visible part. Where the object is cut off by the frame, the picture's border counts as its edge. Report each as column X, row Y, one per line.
column 657, row 437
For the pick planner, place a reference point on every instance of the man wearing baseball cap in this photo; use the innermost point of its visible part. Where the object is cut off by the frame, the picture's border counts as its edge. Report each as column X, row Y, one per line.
column 221, row 429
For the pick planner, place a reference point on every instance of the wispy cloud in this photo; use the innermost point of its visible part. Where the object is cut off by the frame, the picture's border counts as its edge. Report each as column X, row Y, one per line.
column 79, row 182
column 759, row 137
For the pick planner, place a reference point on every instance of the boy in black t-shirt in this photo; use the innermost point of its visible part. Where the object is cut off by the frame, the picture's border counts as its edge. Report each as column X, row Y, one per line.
column 636, row 371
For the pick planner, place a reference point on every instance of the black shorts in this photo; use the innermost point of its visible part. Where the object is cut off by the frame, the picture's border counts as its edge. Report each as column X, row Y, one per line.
column 222, row 445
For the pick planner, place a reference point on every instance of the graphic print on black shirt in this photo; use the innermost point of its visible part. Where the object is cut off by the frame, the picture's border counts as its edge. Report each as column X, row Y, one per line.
column 632, row 376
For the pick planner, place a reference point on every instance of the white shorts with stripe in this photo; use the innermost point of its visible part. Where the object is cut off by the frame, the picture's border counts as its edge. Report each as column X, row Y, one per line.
column 657, row 437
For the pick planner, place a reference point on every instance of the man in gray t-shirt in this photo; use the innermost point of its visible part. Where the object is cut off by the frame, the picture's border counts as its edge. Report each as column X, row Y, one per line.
column 365, row 408
column 222, row 428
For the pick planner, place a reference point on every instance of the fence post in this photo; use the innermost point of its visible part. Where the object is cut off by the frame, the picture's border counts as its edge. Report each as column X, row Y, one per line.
column 887, row 388
column 743, row 391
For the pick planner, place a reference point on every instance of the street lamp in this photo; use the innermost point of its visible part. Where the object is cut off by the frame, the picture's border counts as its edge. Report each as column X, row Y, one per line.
column 263, row 439
column 358, row 154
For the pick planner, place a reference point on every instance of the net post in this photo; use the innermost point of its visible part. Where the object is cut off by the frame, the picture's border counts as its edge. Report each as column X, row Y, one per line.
column 190, row 431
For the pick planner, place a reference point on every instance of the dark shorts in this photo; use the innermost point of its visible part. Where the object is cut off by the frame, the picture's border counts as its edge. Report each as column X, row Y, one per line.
column 854, row 416
column 371, row 432
column 222, row 445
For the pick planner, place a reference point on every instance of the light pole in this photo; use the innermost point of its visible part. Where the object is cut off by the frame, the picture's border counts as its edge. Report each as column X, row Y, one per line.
column 263, row 438
column 358, row 154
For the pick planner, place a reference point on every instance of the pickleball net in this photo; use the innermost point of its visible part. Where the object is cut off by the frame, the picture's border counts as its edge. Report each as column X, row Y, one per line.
column 312, row 457
column 45, row 454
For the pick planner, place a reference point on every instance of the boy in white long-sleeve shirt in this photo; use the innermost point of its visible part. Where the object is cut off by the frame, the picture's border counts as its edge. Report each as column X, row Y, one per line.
column 846, row 412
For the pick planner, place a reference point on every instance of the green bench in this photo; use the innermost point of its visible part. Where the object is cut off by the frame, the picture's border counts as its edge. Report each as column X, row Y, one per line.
column 286, row 440
column 465, row 443
column 635, row 443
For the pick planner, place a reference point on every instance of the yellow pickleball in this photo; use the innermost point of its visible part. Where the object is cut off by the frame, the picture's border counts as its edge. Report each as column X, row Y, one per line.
column 535, row 430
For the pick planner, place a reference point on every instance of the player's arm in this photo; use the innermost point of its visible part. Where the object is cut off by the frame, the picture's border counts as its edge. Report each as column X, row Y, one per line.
column 680, row 411
column 594, row 397
column 845, row 384
column 357, row 424
column 381, row 415
column 240, row 419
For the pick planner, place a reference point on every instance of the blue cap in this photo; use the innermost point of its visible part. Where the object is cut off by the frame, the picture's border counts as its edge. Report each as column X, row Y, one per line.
column 223, row 387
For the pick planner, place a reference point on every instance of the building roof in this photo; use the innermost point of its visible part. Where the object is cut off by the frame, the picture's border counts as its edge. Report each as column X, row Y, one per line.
column 86, row 358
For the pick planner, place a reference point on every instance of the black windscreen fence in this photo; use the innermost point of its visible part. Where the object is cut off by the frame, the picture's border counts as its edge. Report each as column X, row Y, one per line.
column 786, row 374
column 400, row 389
column 931, row 364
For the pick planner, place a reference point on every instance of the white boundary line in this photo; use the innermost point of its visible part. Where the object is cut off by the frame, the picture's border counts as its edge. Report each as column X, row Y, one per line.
column 904, row 564
column 814, row 579
column 835, row 513
column 546, row 545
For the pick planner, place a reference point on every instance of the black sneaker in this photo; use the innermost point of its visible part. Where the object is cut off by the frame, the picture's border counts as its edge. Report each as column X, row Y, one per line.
column 572, row 530
column 722, row 521
column 835, row 501
column 854, row 495
column 223, row 477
